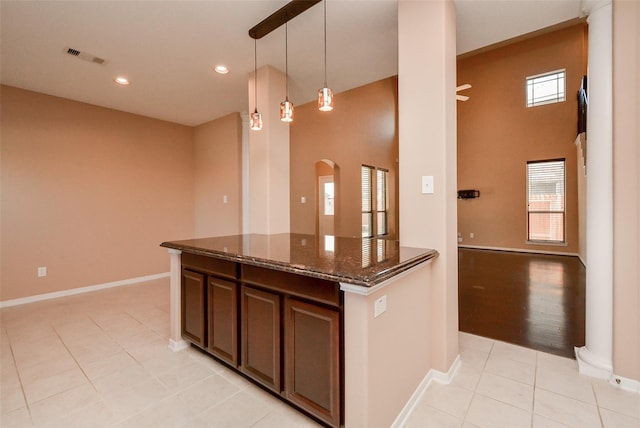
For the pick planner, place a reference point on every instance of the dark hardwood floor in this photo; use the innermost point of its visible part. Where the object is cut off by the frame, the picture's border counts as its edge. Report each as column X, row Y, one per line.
column 532, row 300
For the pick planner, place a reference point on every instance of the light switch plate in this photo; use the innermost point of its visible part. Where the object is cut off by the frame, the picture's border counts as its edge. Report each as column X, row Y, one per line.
column 427, row 184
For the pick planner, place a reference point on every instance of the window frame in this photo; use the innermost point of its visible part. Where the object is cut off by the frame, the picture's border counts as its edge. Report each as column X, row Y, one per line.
column 375, row 205
column 529, row 211
column 529, row 103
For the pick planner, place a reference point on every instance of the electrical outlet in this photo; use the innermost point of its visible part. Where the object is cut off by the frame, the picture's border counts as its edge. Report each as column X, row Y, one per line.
column 471, row 235
column 42, row 271
column 303, row 200
column 380, row 306
column 224, row 199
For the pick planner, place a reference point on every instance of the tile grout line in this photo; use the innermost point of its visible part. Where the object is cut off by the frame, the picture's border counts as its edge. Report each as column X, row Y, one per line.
column 475, row 388
column 535, row 382
column 15, row 365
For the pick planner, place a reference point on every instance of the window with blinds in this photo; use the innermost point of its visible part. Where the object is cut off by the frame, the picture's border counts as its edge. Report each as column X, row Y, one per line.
column 367, row 201
column 375, row 201
column 546, row 88
column 546, row 201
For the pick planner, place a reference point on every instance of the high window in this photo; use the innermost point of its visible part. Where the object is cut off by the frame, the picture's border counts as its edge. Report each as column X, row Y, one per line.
column 546, row 201
column 375, row 201
column 546, row 88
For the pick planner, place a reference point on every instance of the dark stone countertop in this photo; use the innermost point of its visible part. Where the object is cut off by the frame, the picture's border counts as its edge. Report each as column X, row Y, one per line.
column 360, row 261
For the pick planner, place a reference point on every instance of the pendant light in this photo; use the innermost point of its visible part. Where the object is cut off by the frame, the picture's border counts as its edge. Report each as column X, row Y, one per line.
column 325, row 95
column 286, row 107
column 256, row 118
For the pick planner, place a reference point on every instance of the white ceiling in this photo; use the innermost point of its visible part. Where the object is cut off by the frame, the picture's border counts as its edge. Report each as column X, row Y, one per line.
column 168, row 49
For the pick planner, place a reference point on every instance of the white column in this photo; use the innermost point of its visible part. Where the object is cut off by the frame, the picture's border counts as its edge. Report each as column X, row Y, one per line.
column 176, row 343
column 269, row 157
column 595, row 358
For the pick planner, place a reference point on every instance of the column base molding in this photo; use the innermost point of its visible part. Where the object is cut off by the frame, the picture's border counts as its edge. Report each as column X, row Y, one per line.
column 178, row 345
column 592, row 365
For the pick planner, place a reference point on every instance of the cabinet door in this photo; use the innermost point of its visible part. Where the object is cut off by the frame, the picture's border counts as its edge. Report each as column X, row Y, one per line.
column 223, row 320
column 312, row 359
column 260, row 324
column 193, row 307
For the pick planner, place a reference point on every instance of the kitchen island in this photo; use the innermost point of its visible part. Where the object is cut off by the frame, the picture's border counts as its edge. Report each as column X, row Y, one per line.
column 327, row 323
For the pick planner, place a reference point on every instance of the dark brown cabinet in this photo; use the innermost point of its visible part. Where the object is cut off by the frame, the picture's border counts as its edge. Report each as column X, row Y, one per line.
column 260, row 320
column 312, row 359
column 193, row 307
column 281, row 329
column 223, row 319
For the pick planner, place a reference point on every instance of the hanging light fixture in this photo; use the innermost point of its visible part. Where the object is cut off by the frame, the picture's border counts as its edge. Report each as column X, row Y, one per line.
column 325, row 95
column 256, row 118
column 286, row 107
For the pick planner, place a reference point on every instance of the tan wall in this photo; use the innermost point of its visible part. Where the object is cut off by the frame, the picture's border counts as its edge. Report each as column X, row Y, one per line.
column 218, row 173
column 498, row 134
column 626, row 184
column 376, row 393
column 88, row 192
column 360, row 130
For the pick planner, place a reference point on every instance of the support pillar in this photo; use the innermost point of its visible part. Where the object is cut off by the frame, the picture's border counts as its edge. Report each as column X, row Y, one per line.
column 268, row 158
column 595, row 358
column 176, row 343
column 427, row 147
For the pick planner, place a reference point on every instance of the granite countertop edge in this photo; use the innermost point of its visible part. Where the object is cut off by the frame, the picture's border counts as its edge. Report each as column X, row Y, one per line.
column 307, row 271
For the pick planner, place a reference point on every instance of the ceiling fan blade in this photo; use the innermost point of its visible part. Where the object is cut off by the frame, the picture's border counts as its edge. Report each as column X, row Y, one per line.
column 461, row 98
column 463, row 87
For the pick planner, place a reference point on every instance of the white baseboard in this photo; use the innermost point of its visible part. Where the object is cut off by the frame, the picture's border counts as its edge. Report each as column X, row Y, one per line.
column 178, row 345
column 432, row 376
column 519, row 250
column 625, row 383
column 80, row 290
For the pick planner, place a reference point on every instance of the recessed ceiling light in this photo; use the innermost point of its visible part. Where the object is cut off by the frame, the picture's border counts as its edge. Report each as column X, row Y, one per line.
column 221, row 69
column 122, row 81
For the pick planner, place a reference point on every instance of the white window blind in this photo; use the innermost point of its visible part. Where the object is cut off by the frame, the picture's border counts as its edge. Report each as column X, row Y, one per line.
column 546, row 200
column 382, row 201
column 367, row 201
column 546, row 88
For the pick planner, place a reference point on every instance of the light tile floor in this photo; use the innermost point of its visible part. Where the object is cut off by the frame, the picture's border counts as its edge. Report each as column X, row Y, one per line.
column 101, row 360
column 503, row 385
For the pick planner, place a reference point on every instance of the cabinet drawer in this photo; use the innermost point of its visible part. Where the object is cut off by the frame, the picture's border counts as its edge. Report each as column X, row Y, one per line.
column 210, row 265
column 315, row 289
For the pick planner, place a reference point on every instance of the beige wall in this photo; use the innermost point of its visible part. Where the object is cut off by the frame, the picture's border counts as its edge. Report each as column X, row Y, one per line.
column 498, row 134
column 626, row 184
column 88, row 192
column 218, row 173
column 427, row 129
column 375, row 393
column 360, row 130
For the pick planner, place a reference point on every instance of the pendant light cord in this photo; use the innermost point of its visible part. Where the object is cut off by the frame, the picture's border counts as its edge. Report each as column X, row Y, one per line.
column 286, row 58
column 325, row 42
column 255, row 73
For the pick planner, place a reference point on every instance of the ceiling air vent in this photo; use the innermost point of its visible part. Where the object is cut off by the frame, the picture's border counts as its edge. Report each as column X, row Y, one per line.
column 85, row 56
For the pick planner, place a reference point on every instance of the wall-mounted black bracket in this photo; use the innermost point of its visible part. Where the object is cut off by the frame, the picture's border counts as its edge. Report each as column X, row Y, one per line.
column 468, row 194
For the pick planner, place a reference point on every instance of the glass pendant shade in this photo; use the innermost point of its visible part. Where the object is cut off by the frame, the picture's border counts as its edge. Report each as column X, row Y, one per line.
column 256, row 121
column 286, row 111
column 325, row 99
